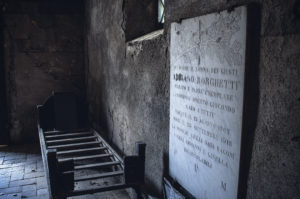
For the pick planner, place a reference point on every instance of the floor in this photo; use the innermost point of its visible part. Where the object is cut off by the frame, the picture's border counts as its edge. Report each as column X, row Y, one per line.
column 22, row 175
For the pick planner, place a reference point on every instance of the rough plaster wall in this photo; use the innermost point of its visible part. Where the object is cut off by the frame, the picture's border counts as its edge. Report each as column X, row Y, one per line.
column 43, row 53
column 274, row 169
column 148, row 102
column 106, row 54
column 128, row 90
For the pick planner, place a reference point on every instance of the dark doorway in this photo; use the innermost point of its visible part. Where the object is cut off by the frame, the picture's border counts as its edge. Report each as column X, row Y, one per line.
column 3, row 106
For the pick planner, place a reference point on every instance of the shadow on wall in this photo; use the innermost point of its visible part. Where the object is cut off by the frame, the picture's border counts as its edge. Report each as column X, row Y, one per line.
column 43, row 52
column 3, row 108
column 251, row 96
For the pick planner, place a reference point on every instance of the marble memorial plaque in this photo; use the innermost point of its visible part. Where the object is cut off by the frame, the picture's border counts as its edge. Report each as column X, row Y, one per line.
column 207, row 58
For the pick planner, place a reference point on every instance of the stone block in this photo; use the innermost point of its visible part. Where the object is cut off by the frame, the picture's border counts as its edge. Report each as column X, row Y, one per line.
column 42, row 192
column 26, row 194
column 29, row 187
column 11, row 190
column 34, row 175
column 22, row 182
column 41, row 182
column 30, row 168
column 4, row 182
column 17, row 175
column 14, row 196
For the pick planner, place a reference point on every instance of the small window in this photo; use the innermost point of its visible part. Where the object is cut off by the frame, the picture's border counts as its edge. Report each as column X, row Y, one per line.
column 142, row 17
column 161, row 11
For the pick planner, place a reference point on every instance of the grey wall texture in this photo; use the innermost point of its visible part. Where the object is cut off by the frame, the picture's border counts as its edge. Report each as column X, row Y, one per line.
column 43, row 52
column 128, row 91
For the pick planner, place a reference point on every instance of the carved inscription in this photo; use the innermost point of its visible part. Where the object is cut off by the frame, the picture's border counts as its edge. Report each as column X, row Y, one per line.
column 207, row 58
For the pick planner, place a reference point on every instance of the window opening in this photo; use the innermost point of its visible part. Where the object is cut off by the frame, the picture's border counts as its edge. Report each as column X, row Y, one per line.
column 161, row 11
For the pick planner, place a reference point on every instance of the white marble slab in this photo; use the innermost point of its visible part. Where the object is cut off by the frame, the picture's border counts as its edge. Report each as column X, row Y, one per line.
column 207, row 57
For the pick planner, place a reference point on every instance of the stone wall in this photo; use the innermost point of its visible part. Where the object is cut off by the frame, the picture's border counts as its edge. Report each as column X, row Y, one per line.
column 3, row 109
column 43, row 52
column 128, row 91
column 127, row 87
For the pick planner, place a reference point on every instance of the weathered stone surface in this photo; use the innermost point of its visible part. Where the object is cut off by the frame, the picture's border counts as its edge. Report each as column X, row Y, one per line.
column 207, row 60
column 43, row 53
column 147, row 95
column 123, row 93
column 276, row 141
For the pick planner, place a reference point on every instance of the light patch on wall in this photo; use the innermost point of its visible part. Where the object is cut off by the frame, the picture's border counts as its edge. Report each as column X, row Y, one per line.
column 94, row 20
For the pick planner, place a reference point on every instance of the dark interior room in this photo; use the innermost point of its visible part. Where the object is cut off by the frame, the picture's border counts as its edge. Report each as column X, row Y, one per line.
column 149, row 99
